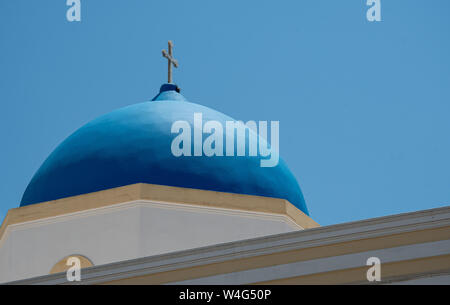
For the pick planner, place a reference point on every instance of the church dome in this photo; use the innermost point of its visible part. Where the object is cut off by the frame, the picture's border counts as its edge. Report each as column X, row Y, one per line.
column 133, row 145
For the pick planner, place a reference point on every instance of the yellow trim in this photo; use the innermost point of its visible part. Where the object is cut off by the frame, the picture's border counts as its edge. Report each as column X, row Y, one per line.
column 158, row 193
column 389, row 271
column 286, row 257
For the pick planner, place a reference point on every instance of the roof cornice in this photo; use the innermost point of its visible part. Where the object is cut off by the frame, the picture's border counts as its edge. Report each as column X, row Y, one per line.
column 407, row 223
column 157, row 193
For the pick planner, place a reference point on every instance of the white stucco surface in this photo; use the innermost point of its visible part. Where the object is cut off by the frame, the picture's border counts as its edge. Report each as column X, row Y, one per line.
column 127, row 231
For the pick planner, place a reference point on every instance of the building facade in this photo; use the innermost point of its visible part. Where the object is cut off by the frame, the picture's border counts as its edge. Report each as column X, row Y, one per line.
column 115, row 198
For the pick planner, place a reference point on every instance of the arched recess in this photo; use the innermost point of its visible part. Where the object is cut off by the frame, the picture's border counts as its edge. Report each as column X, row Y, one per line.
column 61, row 266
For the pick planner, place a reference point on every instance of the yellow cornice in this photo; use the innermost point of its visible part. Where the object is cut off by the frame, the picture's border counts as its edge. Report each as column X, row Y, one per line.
column 159, row 193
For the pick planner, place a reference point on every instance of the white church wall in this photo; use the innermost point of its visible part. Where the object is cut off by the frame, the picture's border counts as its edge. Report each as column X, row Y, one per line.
column 103, row 236
column 127, row 231
column 177, row 227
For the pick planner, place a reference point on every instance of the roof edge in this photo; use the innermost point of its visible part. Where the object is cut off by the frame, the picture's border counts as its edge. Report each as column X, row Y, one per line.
column 160, row 193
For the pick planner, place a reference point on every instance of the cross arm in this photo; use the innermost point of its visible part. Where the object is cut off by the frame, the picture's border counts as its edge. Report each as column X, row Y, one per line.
column 170, row 58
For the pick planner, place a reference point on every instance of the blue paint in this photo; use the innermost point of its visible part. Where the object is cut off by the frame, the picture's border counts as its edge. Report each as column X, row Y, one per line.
column 132, row 145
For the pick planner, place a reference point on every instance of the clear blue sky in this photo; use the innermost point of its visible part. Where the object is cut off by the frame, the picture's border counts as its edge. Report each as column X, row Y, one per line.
column 364, row 108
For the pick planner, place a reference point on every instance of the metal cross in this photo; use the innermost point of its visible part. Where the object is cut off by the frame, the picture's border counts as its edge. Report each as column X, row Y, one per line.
column 171, row 60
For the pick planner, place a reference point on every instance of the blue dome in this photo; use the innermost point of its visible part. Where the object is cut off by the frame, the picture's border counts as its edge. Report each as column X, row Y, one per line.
column 133, row 145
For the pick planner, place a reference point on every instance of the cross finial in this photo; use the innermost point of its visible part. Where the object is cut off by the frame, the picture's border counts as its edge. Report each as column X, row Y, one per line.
column 171, row 60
